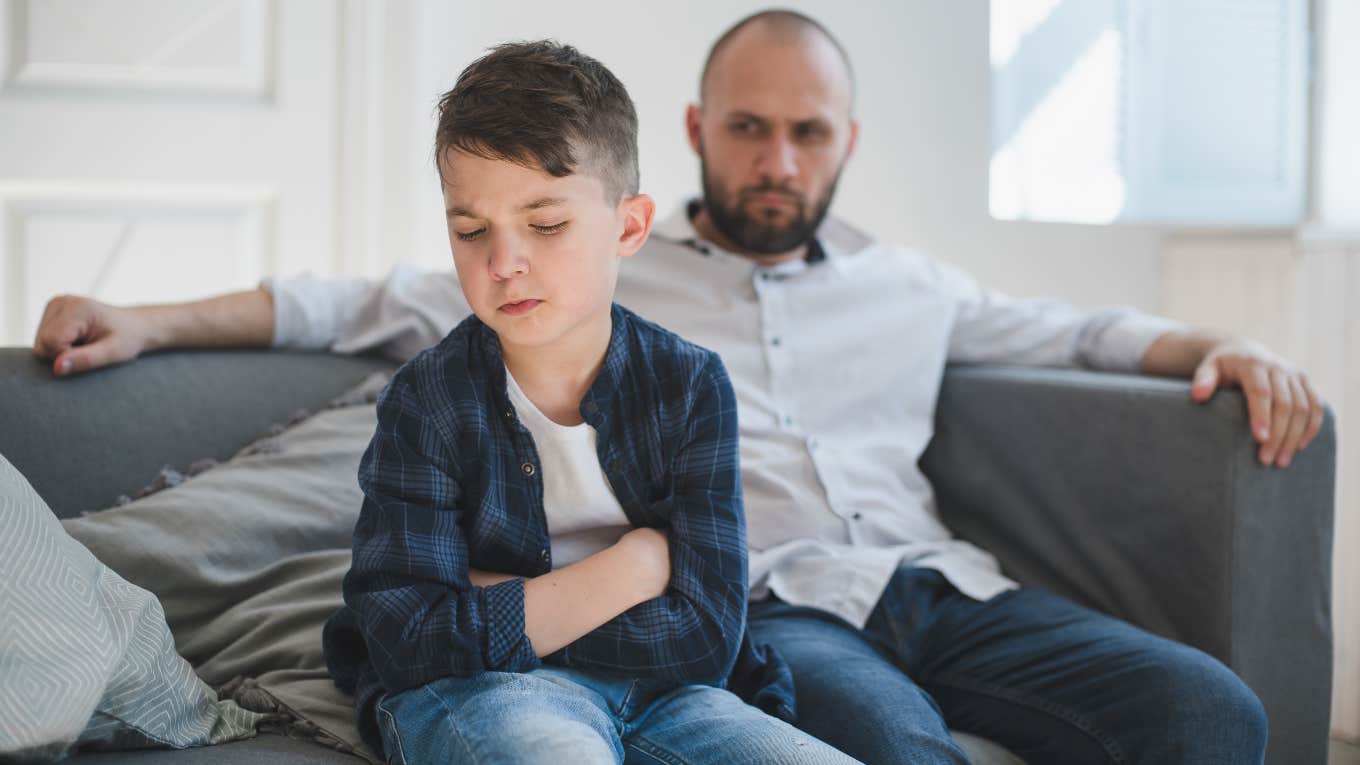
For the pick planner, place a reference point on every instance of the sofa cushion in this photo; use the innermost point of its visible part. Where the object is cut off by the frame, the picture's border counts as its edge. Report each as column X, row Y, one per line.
column 87, row 656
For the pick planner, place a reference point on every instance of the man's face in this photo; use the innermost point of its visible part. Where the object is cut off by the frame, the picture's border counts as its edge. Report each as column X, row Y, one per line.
column 772, row 136
column 537, row 256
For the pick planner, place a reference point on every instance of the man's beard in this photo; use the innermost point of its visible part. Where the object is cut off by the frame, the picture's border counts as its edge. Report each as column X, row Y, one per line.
column 761, row 237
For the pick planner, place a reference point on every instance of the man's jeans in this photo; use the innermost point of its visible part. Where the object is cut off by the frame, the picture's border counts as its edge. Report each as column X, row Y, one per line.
column 1049, row 680
column 555, row 716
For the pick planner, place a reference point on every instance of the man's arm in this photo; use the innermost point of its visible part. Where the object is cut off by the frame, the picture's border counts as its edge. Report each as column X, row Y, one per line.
column 398, row 317
column 78, row 334
column 1285, row 409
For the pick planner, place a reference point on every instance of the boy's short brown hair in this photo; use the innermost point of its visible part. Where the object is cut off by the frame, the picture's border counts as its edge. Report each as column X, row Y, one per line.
column 547, row 105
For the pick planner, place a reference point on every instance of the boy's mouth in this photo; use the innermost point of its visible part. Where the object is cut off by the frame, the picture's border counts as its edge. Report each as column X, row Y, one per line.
column 520, row 307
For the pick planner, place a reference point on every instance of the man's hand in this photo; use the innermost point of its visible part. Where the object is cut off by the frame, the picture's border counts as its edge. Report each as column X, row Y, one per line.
column 78, row 334
column 1284, row 408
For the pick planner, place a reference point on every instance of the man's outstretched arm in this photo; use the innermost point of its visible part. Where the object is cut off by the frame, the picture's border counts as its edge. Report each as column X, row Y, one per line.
column 1285, row 409
column 78, row 334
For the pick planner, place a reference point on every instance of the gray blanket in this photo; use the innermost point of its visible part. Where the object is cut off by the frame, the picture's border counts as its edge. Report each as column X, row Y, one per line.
column 247, row 559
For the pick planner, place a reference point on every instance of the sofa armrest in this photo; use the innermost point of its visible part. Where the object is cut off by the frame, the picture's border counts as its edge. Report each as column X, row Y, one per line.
column 84, row 440
column 1120, row 492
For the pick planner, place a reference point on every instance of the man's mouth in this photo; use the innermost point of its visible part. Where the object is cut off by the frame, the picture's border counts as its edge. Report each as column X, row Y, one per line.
column 520, row 307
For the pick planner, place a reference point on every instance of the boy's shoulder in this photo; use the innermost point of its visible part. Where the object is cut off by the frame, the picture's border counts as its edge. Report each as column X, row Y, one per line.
column 446, row 363
column 652, row 346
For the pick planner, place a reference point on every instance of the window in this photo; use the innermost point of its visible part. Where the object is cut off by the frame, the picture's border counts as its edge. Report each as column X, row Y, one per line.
column 1152, row 111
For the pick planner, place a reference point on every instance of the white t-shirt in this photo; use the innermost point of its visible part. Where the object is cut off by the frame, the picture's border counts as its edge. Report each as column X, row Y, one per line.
column 583, row 514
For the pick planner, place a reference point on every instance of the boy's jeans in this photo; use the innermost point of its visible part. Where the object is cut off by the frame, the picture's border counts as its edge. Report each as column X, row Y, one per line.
column 554, row 716
column 1050, row 680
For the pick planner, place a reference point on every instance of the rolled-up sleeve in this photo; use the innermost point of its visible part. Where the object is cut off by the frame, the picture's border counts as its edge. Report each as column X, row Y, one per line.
column 416, row 610
column 396, row 317
column 991, row 327
column 692, row 633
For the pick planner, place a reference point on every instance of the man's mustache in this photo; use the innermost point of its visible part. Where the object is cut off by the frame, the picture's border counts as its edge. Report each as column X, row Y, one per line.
column 768, row 188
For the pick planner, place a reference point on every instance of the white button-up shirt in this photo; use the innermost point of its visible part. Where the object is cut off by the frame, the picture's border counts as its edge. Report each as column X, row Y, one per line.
column 836, row 364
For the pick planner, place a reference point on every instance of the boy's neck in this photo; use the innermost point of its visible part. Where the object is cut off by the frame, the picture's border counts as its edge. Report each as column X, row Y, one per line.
column 556, row 377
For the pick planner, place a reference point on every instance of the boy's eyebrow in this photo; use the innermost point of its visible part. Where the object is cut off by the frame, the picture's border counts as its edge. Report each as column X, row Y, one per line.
column 537, row 204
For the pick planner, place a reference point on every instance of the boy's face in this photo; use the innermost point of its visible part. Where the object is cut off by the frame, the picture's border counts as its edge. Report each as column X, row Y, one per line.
column 537, row 256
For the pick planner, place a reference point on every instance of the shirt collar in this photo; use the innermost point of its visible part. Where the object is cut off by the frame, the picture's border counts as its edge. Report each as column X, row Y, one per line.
column 607, row 385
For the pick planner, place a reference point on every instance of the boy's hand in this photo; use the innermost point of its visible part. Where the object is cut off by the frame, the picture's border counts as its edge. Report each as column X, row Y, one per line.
column 651, row 553
column 78, row 334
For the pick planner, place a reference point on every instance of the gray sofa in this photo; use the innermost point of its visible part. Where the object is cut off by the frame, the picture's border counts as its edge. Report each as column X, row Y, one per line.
column 1114, row 490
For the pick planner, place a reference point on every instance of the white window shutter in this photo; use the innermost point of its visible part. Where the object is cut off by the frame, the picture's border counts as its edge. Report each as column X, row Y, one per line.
column 1188, row 112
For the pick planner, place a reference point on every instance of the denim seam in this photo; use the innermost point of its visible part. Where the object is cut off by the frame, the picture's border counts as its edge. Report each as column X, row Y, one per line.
column 650, row 748
column 1111, row 747
column 391, row 723
column 453, row 721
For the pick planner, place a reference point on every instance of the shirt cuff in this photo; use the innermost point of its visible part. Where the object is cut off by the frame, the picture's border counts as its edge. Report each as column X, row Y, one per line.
column 289, row 318
column 507, row 647
column 1121, row 344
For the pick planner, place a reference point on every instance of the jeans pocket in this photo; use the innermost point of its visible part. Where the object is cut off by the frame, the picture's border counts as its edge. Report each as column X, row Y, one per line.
column 391, row 735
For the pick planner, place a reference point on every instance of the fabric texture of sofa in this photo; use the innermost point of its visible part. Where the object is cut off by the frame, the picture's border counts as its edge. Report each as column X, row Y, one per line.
column 1114, row 490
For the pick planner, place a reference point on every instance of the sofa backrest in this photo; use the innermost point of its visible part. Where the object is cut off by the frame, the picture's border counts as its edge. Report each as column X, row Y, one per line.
column 84, row 440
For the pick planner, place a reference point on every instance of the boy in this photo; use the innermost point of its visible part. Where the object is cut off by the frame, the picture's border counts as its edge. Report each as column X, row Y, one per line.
column 550, row 563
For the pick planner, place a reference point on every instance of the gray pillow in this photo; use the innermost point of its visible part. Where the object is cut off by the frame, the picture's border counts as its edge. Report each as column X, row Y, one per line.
column 86, row 657
column 247, row 558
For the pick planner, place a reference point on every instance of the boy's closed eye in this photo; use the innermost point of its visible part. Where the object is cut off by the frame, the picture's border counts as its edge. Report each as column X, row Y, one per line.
column 547, row 230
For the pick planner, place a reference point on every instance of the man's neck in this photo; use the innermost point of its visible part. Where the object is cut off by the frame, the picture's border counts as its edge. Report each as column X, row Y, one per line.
column 703, row 224
column 557, row 377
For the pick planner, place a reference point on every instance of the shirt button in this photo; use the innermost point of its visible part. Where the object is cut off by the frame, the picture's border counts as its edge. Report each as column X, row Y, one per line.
column 788, row 421
column 775, row 341
column 544, row 556
column 509, row 414
column 857, row 516
column 528, row 468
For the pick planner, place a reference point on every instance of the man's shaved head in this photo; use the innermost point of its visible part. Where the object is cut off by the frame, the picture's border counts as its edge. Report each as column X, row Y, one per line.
column 778, row 25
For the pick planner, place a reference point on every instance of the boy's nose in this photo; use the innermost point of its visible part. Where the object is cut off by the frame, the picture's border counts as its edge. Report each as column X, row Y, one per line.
column 507, row 261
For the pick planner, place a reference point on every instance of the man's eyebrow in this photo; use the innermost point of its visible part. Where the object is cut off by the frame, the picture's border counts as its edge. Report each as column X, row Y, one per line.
column 746, row 116
column 537, row 204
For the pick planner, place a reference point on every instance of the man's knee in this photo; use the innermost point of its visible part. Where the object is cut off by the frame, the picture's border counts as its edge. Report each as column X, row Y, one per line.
column 1208, row 713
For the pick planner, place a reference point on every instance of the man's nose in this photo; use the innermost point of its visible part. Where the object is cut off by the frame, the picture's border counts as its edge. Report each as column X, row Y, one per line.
column 778, row 158
column 507, row 259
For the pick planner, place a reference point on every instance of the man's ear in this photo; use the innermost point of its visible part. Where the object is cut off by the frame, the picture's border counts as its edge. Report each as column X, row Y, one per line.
column 638, row 212
column 694, row 115
column 854, row 138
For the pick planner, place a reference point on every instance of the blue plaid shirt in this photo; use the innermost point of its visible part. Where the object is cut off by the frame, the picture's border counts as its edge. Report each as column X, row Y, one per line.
column 451, row 481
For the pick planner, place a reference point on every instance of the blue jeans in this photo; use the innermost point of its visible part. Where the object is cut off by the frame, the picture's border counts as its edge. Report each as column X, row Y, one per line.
column 554, row 716
column 1050, row 680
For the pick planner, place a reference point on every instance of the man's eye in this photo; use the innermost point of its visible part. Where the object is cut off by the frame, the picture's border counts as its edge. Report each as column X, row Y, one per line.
column 553, row 229
column 743, row 127
column 469, row 236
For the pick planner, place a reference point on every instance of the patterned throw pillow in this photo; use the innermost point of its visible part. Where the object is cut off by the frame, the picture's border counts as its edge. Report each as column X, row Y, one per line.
column 85, row 657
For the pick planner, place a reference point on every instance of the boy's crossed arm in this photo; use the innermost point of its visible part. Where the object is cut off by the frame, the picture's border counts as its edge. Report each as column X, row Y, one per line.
column 424, row 614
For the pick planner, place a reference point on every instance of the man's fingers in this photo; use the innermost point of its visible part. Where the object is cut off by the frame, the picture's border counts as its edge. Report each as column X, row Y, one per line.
column 1205, row 381
column 1316, row 412
column 1256, row 387
column 1298, row 422
column 1281, row 409
column 83, row 358
column 62, row 326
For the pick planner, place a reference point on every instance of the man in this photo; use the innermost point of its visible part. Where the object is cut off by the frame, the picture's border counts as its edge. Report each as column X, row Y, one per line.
column 836, row 345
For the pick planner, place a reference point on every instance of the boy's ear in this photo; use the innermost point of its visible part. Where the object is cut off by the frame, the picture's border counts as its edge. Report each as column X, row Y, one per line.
column 637, row 211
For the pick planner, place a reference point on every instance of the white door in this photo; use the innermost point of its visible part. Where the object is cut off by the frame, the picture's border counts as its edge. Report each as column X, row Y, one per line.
column 155, row 150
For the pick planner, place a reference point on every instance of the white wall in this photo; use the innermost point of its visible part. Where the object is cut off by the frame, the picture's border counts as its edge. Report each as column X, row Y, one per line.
column 920, row 175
